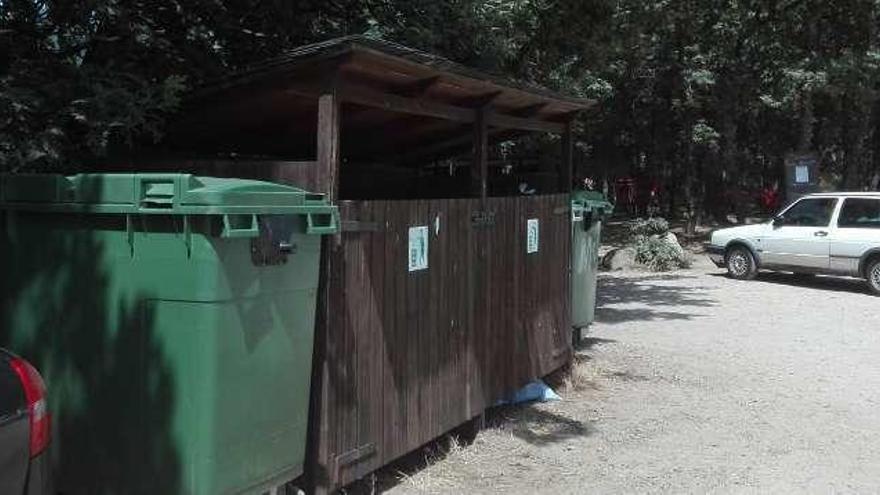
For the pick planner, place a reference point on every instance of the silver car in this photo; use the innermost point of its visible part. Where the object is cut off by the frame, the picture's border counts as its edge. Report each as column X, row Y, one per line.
column 829, row 233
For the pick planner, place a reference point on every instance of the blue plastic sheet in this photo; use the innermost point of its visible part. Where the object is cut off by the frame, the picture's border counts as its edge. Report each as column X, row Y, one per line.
column 535, row 391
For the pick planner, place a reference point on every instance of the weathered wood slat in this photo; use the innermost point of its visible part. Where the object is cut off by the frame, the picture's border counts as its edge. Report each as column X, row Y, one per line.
column 391, row 302
column 431, row 344
column 399, row 345
column 363, row 321
column 460, row 291
column 378, row 356
column 346, row 358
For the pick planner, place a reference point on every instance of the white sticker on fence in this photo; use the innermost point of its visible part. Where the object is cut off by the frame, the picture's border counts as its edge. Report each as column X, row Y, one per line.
column 532, row 235
column 418, row 248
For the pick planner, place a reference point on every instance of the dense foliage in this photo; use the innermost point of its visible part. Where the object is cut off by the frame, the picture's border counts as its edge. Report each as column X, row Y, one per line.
column 643, row 227
column 659, row 255
column 708, row 95
column 655, row 247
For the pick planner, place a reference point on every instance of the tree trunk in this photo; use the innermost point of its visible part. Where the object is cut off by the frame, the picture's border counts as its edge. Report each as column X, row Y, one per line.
column 858, row 134
column 805, row 137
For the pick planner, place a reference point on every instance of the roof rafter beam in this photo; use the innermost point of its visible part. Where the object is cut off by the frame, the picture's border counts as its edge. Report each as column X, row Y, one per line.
column 394, row 103
column 524, row 124
column 419, row 87
column 402, row 104
column 480, row 101
column 529, row 110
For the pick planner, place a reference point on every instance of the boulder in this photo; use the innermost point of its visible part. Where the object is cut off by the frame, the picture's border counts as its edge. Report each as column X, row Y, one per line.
column 619, row 259
column 672, row 240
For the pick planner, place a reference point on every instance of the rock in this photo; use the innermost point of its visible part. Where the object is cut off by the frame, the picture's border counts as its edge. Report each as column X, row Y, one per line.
column 672, row 240
column 619, row 259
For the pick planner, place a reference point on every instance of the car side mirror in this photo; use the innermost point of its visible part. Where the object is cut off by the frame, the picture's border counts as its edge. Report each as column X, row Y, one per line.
column 778, row 221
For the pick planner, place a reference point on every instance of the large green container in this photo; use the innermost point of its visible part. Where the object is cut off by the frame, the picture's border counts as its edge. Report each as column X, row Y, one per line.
column 588, row 209
column 172, row 318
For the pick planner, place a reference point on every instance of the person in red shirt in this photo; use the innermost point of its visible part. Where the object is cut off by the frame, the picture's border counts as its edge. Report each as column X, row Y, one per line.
column 770, row 198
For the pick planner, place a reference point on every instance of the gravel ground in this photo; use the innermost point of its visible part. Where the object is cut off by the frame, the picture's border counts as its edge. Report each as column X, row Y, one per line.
column 692, row 382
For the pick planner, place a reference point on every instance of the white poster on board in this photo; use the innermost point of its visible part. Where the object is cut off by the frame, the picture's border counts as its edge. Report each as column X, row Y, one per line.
column 802, row 174
column 532, row 235
column 418, row 248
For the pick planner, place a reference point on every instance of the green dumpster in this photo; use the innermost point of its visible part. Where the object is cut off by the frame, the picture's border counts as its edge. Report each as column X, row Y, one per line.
column 172, row 318
column 588, row 208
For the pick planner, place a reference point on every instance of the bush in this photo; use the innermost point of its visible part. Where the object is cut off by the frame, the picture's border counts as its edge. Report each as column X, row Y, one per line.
column 659, row 255
column 645, row 227
column 653, row 249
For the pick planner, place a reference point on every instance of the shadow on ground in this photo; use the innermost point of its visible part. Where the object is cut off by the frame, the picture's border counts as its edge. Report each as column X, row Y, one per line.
column 655, row 300
column 586, row 344
column 530, row 422
column 539, row 426
column 840, row 284
column 395, row 473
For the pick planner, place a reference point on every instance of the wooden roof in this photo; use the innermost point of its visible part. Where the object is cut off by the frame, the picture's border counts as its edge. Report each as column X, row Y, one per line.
column 396, row 101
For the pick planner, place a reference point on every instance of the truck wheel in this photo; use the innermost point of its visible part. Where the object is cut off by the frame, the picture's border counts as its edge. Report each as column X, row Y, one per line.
column 872, row 274
column 741, row 264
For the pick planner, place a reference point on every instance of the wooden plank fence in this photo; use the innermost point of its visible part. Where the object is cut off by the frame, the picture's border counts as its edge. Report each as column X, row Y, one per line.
column 409, row 355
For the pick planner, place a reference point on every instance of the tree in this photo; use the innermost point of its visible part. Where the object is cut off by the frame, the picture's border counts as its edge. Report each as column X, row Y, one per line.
column 708, row 95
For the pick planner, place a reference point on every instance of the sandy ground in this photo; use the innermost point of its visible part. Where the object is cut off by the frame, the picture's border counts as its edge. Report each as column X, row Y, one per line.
column 691, row 383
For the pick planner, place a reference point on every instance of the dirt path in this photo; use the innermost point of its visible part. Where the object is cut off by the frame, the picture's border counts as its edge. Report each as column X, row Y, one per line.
column 693, row 383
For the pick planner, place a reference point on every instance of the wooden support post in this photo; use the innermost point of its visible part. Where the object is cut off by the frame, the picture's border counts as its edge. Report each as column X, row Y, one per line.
column 480, row 165
column 327, row 181
column 328, row 145
column 565, row 169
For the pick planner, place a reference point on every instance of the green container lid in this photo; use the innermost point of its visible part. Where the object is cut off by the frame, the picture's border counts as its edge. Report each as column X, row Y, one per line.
column 590, row 201
column 239, row 201
column 167, row 194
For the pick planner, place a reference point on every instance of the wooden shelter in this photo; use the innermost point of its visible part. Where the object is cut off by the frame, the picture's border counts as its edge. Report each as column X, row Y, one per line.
column 406, row 349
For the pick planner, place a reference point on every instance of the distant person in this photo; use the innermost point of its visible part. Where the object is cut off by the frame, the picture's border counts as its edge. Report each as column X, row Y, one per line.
column 652, row 208
column 770, row 198
column 625, row 193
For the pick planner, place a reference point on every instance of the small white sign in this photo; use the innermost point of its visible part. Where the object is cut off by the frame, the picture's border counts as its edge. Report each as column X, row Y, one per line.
column 802, row 174
column 418, row 248
column 532, row 236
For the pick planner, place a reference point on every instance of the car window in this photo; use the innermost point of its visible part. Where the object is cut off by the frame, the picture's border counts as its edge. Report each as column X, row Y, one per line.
column 811, row 212
column 860, row 213
column 11, row 395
